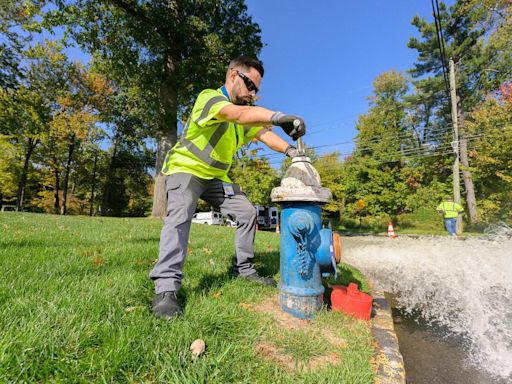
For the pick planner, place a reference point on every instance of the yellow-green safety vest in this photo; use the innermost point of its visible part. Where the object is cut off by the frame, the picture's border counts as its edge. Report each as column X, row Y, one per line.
column 207, row 145
column 450, row 209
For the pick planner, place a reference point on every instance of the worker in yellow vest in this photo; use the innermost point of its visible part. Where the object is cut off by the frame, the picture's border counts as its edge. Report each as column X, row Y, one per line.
column 450, row 211
column 221, row 121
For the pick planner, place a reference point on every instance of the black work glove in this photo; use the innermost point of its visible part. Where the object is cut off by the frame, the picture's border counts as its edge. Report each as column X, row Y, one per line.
column 294, row 126
column 291, row 151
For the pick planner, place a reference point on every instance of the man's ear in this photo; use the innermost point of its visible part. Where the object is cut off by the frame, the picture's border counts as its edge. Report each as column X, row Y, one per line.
column 232, row 75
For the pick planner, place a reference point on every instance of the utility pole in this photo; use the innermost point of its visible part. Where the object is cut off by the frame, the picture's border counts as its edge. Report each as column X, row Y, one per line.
column 455, row 144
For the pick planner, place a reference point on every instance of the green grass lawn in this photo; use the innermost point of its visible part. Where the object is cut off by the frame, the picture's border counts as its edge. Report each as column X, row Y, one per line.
column 424, row 222
column 75, row 307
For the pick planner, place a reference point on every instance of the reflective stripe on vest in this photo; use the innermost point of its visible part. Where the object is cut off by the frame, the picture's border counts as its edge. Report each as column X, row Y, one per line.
column 208, row 105
column 205, row 154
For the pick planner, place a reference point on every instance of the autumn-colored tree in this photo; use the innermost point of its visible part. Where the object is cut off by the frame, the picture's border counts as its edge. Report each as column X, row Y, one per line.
column 23, row 118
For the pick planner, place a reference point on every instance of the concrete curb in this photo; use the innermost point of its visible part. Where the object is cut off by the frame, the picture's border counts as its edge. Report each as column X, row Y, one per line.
column 388, row 359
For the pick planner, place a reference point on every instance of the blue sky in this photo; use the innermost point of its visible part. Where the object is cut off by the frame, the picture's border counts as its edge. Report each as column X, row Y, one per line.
column 321, row 58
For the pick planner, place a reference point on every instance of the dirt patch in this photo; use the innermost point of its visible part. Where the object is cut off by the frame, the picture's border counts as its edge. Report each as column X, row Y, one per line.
column 269, row 351
column 283, row 319
column 334, row 339
column 320, row 362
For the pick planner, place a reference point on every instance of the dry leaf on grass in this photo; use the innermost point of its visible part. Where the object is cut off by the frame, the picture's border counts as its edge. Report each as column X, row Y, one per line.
column 197, row 348
column 98, row 261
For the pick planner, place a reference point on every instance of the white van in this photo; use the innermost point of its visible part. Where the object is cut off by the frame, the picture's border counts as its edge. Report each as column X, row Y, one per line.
column 266, row 217
column 210, row 218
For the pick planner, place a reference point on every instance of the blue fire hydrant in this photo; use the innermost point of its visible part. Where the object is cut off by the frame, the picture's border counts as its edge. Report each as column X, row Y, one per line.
column 308, row 251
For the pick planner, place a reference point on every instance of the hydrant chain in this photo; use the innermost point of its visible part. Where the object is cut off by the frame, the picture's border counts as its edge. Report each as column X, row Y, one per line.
column 304, row 259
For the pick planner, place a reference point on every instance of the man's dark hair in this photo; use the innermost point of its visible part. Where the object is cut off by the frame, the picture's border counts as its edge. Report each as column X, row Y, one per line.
column 246, row 62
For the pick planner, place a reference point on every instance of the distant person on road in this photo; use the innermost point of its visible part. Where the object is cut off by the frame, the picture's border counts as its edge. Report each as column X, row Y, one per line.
column 222, row 120
column 450, row 211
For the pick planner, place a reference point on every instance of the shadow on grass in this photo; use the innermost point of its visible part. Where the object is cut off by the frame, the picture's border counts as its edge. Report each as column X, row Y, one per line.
column 267, row 264
column 32, row 243
column 145, row 240
column 214, row 280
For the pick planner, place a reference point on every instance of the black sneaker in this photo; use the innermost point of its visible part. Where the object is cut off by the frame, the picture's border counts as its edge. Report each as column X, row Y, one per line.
column 166, row 305
column 260, row 279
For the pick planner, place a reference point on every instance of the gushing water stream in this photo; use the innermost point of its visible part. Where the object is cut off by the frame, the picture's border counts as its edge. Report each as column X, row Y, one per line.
column 464, row 286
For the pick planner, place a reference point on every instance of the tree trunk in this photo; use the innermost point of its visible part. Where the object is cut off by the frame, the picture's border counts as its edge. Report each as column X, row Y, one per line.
column 342, row 208
column 71, row 148
column 168, row 129
column 93, row 182
column 56, row 199
column 106, row 208
column 23, row 179
column 56, row 189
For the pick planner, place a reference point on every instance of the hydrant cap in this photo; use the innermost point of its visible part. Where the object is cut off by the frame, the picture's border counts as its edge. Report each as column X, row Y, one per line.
column 301, row 182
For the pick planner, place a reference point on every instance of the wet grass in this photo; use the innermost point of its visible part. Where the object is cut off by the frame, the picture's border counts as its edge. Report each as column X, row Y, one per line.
column 75, row 307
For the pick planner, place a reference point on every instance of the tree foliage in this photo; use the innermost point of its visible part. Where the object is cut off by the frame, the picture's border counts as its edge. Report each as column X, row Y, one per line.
column 170, row 49
column 491, row 123
column 76, row 136
column 256, row 178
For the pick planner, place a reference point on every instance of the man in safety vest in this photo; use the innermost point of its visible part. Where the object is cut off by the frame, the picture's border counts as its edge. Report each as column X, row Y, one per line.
column 450, row 211
column 222, row 120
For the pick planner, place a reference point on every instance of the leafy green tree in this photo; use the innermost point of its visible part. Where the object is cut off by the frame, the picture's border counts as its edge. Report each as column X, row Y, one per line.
column 381, row 131
column 329, row 168
column 491, row 124
column 462, row 43
column 256, row 178
column 23, row 117
column 8, row 170
column 129, row 151
column 381, row 141
column 17, row 21
column 494, row 19
column 170, row 49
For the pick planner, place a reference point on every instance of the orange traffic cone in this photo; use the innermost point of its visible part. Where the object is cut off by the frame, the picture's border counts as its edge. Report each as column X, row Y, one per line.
column 391, row 231
column 277, row 228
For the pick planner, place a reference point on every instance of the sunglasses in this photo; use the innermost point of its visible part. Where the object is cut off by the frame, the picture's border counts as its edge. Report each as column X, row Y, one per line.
column 248, row 82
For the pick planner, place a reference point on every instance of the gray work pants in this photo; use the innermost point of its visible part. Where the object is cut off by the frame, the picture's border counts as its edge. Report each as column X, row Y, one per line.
column 183, row 191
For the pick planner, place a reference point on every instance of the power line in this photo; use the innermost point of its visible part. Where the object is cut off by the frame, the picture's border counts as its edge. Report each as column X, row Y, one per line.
column 435, row 134
column 440, row 43
column 414, row 153
column 401, row 135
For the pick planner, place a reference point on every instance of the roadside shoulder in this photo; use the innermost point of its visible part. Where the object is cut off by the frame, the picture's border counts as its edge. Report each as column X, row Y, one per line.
column 388, row 360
